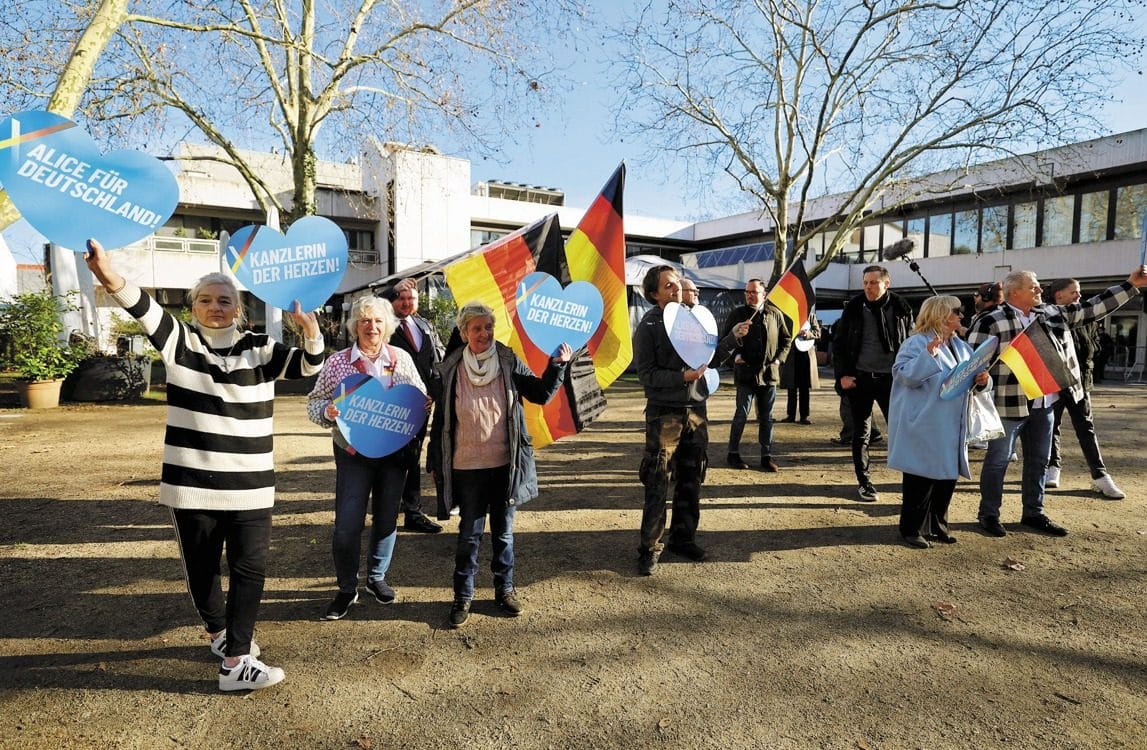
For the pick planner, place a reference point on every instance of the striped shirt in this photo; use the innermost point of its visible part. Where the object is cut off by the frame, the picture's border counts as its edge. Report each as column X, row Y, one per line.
column 1004, row 321
column 218, row 451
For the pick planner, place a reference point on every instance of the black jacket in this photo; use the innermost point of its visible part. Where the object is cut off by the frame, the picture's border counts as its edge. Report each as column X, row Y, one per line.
column 848, row 334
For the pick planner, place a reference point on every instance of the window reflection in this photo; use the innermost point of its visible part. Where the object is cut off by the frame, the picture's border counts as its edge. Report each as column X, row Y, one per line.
column 1023, row 225
column 1057, row 220
column 966, row 232
column 994, row 234
column 1093, row 217
column 1130, row 206
column 939, row 235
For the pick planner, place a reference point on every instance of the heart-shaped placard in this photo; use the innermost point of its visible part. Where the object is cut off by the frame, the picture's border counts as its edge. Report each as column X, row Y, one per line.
column 553, row 316
column 377, row 419
column 960, row 379
column 692, row 331
column 712, row 380
column 305, row 265
column 68, row 191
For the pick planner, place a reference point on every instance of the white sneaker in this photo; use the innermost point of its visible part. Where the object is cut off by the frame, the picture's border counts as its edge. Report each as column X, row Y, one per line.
column 219, row 646
column 249, row 674
column 1051, row 477
column 1107, row 487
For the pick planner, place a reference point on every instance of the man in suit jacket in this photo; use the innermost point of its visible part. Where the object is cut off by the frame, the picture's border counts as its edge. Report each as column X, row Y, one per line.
column 416, row 336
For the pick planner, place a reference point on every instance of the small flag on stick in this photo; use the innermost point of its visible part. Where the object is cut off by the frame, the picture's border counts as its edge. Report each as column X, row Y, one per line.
column 793, row 294
column 1036, row 362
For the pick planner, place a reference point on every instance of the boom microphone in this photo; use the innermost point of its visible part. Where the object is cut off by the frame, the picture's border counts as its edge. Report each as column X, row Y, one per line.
column 898, row 249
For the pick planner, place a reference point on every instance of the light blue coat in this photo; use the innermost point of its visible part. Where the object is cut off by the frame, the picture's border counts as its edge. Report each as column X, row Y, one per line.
column 926, row 434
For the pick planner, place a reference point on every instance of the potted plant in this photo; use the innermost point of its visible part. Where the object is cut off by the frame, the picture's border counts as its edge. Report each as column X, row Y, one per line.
column 33, row 345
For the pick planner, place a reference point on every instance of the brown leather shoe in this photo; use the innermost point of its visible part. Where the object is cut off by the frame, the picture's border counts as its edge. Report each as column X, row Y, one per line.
column 769, row 465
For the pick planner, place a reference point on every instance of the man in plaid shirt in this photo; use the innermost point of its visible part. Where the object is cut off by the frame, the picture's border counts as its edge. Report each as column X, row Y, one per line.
column 1032, row 421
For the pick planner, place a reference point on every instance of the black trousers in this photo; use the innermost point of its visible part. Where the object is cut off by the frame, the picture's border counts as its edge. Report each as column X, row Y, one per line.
column 202, row 536
column 871, row 388
column 924, row 506
column 1084, row 427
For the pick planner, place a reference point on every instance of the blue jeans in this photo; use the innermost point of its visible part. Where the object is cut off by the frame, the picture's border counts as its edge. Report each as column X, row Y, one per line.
column 1034, row 432
column 358, row 478
column 764, row 396
column 479, row 492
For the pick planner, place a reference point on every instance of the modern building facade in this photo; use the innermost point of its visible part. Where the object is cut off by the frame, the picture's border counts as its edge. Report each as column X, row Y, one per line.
column 1072, row 211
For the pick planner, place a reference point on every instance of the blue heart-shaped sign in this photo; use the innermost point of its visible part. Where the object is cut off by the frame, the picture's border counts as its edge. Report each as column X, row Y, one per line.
column 305, row 265
column 692, row 331
column 553, row 316
column 959, row 380
column 378, row 419
column 68, row 191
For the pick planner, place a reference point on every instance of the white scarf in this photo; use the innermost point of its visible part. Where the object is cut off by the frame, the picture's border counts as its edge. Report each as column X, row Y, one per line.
column 481, row 368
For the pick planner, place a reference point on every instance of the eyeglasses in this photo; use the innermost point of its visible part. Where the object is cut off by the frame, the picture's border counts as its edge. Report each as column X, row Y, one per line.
column 958, row 311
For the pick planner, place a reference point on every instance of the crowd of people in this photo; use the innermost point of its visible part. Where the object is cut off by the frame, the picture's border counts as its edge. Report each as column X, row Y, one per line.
column 218, row 471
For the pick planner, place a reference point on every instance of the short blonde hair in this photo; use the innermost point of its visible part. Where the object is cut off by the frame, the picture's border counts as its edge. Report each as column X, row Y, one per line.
column 934, row 312
column 221, row 279
column 470, row 311
column 370, row 305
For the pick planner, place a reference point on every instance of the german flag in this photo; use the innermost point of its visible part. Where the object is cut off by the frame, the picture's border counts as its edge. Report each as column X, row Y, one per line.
column 491, row 275
column 596, row 253
column 793, row 294
column 1036, row 362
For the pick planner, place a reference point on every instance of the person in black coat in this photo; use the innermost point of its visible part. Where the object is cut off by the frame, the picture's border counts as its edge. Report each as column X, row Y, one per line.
column 416, row 337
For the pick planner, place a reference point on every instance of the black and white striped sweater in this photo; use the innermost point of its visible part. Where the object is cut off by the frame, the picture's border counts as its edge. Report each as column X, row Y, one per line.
column 218, row 452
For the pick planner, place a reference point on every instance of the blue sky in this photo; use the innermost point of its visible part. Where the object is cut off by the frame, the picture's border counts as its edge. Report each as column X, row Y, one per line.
column 572, row 148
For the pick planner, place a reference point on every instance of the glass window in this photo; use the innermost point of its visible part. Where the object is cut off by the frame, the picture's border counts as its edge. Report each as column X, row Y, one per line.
column 891, row 232
column 967, row 232
column 914, row 231
column 1130, row 206
column 850, row 252
column 1057, row 220
column 1023, row 225
column 814, row 247
column 1093, row 216
column 994, row 232
column 939, row 235
column 871, row 242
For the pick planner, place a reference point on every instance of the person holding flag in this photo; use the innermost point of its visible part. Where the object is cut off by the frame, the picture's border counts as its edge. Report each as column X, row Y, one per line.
column 1032, row 368
column 762, row 341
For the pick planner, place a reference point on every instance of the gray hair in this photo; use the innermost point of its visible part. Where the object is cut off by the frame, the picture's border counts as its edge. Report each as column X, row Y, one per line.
column 371, row 305
column 221, row 279
column 1017, row 280
column 470, row 311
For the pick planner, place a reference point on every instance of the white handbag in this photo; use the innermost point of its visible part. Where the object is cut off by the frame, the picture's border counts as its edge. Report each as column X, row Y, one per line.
column 983, row 420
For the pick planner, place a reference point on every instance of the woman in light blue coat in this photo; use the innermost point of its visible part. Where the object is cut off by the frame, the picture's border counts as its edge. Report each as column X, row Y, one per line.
column 926, row 434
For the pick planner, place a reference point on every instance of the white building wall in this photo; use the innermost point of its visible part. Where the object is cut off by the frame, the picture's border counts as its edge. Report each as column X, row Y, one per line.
column 431, row 211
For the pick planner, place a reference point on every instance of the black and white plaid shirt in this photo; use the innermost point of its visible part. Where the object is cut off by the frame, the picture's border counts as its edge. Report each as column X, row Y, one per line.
column 1004, row 321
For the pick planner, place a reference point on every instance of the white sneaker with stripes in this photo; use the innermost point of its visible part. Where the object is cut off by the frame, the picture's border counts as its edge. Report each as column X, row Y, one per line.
column 249, row 674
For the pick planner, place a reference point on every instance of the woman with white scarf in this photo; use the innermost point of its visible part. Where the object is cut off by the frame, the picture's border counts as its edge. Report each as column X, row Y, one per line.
column 481, row 450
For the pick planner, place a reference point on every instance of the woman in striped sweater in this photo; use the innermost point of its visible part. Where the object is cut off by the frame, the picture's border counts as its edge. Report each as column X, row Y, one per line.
column 218, row 474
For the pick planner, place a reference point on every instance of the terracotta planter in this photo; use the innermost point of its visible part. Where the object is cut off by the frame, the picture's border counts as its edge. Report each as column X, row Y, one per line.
column 40, row 394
